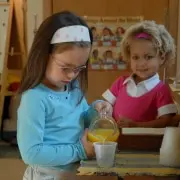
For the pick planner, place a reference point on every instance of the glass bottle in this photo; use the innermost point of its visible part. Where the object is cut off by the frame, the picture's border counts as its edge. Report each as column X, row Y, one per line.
column 103, row 128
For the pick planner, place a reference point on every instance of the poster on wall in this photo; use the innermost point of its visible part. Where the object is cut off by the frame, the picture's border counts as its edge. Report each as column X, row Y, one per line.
column 107, row 34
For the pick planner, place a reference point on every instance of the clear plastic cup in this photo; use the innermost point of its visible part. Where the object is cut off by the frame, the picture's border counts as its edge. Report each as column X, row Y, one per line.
column 105, row 153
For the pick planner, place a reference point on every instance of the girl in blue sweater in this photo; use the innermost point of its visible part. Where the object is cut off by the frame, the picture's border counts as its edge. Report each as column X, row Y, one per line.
column 53, row 112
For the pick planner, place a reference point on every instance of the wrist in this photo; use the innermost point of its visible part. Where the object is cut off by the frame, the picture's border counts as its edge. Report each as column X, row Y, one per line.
column 135, row 124
column 95, row 102
column 139, row 124
column 83, row 153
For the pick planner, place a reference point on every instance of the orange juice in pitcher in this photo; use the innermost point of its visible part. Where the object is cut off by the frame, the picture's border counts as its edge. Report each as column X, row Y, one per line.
column 103, row 129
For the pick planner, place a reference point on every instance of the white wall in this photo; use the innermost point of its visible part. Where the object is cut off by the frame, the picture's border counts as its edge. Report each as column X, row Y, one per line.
column 34, row 7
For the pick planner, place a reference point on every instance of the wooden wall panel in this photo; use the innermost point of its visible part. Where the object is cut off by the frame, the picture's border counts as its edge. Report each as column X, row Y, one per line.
column 178, row 46
column 150, row 9
column 82, row 7
column 173, row 29
column 47, row 8
column 124, row 8
column 155, row 10
column 99, row 81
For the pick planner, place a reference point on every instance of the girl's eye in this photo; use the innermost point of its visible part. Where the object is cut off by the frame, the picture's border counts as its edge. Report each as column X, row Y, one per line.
column 66, row 69
column 135, row 57
column 149, row 57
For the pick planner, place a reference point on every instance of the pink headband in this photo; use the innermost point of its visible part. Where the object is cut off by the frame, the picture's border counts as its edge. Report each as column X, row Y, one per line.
column 143, row 35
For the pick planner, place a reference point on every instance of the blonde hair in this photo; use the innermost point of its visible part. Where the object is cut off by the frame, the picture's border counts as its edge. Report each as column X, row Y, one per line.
column 161, row 39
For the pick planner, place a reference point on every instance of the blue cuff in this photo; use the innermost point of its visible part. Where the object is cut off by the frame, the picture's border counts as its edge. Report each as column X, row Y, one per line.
column 83, row 155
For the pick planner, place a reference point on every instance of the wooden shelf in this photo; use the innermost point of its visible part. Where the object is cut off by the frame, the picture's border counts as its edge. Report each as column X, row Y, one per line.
column 12, row 62
column 10, row 93
column 15, row 72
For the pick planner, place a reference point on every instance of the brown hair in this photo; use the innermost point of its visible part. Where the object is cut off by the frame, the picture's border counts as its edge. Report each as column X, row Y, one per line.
column 38, row 58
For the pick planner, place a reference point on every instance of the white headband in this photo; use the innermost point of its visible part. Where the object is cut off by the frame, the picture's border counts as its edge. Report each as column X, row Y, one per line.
column 74, row 33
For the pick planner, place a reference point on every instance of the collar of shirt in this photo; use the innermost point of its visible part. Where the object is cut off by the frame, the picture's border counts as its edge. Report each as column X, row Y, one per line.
column 148, row 84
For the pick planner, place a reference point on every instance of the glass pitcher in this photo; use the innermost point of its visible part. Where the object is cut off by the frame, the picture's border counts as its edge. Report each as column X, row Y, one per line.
column 103, row 128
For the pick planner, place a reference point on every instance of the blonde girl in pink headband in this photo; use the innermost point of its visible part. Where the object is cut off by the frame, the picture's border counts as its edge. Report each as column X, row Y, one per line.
column 142, row 99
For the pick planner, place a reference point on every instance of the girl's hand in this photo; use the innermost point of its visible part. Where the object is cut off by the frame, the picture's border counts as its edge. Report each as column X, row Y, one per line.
column 88, row 146
column 104, row 107
column 125, row 122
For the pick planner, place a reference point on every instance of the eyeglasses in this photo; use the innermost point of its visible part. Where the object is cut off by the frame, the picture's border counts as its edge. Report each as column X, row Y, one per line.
column 68, row 70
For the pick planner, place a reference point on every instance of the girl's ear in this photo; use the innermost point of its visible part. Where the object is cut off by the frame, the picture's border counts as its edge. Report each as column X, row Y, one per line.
column 163, row 58
column 50, row 55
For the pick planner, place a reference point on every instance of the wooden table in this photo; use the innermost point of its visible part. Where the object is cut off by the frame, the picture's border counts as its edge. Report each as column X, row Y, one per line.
column 132, row 166
column 95, row 178
column 125, row 178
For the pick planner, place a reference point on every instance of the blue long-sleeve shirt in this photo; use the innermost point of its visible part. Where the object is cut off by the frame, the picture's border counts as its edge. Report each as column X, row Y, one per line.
column 49, row 127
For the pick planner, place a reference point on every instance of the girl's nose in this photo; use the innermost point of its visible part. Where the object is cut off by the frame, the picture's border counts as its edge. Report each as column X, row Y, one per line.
column 141, row 62
column 71, row 75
